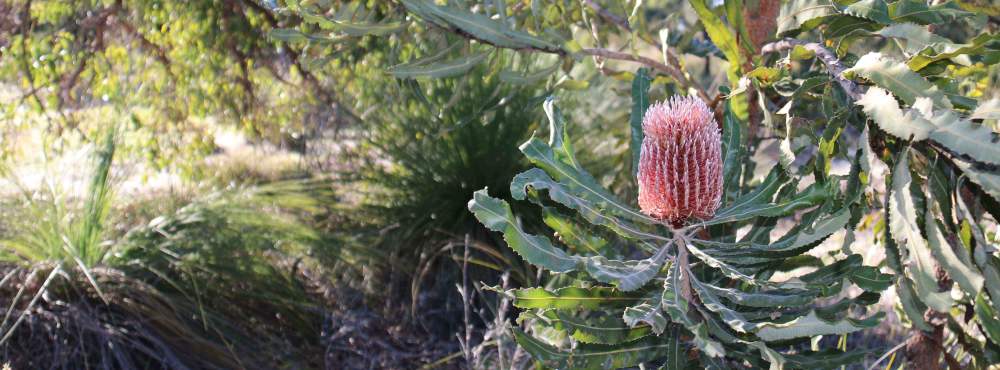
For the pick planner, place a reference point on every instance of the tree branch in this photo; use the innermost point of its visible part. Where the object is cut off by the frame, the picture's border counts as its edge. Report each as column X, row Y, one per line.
column 833, row 64
column 609, row 16
column 672, row 71
column 671, row 57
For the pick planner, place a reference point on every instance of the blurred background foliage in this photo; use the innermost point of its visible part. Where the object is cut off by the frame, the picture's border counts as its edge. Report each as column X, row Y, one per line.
column 284, row 183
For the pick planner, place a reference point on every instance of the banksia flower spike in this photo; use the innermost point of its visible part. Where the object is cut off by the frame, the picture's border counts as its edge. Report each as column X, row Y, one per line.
column 680, row 166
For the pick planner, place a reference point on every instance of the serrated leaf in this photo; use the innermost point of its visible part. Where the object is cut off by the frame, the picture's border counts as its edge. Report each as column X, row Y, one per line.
column 916, row 38
column 648, row 312
column 572, row 298
column 803, row 235
column 981, row 44
column 676, row 306
column 988, row 110
column 987, row 318
column 732, row 154
column 593, row 356
column 885, row 111
column 443, row 69
column 606, row 329
column 912, row 306
column 795, row 13
column 897, row 78
column 763, row 297
column 966, row 276
column 875, row 10
column 725, row 268
column 728, row 315
column 988, row 181
column 827, row 359
column 557, row 159
column 757, row 204
column 496, row 215
column 812, row 325
column 905, row 231
column 571, row 233
column 640, row 102
column 676, row 356
column 626, row 275
column 966, row 137
column 918, row 11
column 776, row 360
column 571, row 194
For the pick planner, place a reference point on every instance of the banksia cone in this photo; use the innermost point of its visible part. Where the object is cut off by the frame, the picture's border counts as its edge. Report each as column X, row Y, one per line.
column 680, row 167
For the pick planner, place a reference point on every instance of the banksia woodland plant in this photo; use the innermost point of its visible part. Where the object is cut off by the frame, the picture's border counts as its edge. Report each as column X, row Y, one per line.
column 696, row 294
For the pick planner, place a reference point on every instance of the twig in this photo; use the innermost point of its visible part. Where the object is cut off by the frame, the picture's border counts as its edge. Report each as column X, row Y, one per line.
column 886, row 354
column 670, row 56
column 609, row 16
column 674, row 72
column 833, row 64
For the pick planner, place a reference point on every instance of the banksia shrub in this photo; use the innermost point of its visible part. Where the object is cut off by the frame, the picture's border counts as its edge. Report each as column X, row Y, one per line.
column 680, row 168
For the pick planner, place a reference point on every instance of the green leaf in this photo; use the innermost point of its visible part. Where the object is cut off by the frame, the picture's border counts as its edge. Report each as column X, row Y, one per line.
column 918, row 11
column 917, row 38
column 728, row 315
column 763, row 297
column 478, row 26
column 813, row 325
column 572, row 233
column 626, row 275
column 448, row 68
column 966, row 276
column 524, row 79
column 640, row 102
column 757, row 203
column 987, row 317
column 721, row 36
column 802, row 235
column 606, row 329
column 988, row 181
column 988, row 110
column 557, row 159
column 572, row 298
column 676, row 356
column 870, row 279
column 827, row 359
column 496, row 215
column 676, row 306
column 776, row 360
column 571, row 194
column 352, row 28
column 904, row 230
column 979, row 45
column 898, row 79
column 648, row 312
column 795, row 13
column 885, row 111
column 732, row 154
column 966, row 137
column 725, row 268
column 288, row 35
column 594, row 356
column 875, row 10
column 911, row 304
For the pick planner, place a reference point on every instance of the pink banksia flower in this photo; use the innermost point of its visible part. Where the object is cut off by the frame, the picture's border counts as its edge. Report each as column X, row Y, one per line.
column 680, row 166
